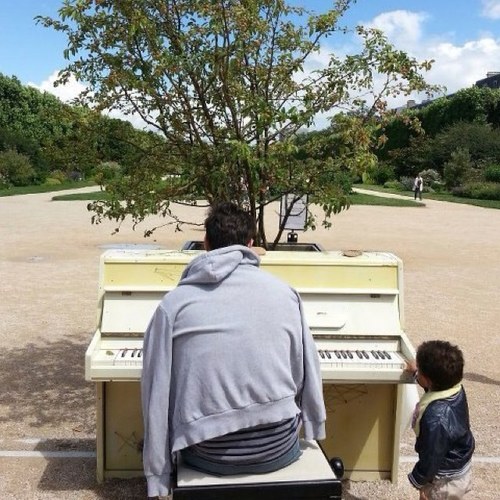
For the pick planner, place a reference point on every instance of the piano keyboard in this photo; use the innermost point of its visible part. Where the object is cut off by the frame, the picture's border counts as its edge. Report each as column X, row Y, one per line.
column 376, row 359
column 337, row 365
column 128, row 357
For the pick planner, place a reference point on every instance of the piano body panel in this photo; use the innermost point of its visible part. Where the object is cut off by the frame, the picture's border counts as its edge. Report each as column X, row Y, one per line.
column 119, row 430
column 349, row 303
column 360, row 428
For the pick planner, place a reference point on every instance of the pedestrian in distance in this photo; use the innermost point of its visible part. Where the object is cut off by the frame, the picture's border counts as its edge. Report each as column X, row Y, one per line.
column 418, row 186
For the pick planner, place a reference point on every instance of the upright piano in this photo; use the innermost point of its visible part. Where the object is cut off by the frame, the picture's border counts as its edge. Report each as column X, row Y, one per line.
column 354, row 307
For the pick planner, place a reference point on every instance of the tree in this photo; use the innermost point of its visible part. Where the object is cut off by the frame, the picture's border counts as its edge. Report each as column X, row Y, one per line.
column 226, row 84
column 458, row 169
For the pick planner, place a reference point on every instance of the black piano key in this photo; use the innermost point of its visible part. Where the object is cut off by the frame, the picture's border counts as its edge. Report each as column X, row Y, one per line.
column 337, row 354
column 365, row 354
column 360, row 356
column 349, row 354
column 124, row 352
column 381, row 354
column 328, row 355
column 374, row 354
column 344, row 355
column 321, row 354
column 387, row 355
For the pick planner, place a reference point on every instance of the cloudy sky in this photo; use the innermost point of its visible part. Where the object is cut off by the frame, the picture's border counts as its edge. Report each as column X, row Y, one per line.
column 462, row 36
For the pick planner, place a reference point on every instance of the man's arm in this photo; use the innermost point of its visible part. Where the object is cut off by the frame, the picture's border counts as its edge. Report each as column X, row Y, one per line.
column 311, row 402
column 155, row 393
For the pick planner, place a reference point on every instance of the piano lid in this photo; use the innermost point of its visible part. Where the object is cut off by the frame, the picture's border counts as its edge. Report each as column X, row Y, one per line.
column 360, row 295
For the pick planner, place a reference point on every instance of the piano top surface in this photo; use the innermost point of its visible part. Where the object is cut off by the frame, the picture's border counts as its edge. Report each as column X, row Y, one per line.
column 161, row 269
column 327, row 257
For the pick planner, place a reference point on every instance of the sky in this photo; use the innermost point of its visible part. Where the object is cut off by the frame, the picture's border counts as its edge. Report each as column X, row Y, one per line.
column 462, row 36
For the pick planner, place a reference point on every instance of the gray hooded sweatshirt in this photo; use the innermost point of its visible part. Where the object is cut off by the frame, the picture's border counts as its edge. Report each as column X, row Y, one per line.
column 227, row 349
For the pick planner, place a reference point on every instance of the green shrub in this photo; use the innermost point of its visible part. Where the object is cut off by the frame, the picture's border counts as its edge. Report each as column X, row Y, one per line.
column 407, row 183
column 398, row 186
column 107, row 171
column 366, row 178
column 15, row 169
column 432, row 180
column 380, row 173
column 479, row 190
column 59, row 175
column 492, row 173
column 51, row 181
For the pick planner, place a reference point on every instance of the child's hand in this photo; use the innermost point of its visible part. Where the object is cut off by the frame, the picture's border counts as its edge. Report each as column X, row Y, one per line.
column 411, row 366
column 423, row 496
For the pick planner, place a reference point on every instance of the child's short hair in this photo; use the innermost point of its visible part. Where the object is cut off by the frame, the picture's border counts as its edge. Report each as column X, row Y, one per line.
column 441, row 362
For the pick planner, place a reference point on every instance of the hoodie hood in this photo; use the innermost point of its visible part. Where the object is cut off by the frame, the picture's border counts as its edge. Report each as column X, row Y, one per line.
column 216, row 265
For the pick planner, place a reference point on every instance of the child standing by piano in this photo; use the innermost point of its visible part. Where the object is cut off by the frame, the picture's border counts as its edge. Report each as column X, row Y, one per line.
column 445, row 443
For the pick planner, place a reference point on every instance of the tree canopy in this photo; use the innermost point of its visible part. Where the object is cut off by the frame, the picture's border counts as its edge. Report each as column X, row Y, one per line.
column 229, row 84
column 55, row 136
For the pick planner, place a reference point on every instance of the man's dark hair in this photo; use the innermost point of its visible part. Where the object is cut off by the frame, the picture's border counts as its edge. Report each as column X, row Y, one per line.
column 441, row 362
column 227, row 224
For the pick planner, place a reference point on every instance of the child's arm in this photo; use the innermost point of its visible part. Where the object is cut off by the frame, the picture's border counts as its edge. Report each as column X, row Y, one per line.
column 411, row 370
column 411, row 366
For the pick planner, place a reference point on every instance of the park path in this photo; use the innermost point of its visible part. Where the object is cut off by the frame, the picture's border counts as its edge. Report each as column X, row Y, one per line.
column 49, row 255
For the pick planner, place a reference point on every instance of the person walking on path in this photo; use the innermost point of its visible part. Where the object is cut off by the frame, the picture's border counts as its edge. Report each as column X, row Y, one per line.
column 418, row 186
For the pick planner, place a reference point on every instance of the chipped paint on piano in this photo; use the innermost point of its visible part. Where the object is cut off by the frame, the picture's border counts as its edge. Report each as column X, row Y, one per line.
column 354, row 307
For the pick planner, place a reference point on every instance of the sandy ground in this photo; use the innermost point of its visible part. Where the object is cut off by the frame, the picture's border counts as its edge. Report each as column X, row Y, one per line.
column 49, row 254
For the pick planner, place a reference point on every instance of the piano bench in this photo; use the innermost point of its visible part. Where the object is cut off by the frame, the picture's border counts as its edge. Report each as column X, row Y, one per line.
column 310, row 477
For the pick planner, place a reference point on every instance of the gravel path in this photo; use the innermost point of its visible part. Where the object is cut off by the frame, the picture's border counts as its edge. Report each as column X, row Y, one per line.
column 49, row 254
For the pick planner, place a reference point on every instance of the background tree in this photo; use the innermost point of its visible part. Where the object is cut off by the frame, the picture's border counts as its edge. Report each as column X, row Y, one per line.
column 225, row 83
column 458, row 168
column 68, row 139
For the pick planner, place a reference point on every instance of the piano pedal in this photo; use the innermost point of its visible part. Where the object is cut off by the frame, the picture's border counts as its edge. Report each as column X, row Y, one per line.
column 337, row 466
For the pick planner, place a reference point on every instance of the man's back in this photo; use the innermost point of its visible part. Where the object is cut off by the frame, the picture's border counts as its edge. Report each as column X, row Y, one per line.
column 227, row 350
column 237, row 343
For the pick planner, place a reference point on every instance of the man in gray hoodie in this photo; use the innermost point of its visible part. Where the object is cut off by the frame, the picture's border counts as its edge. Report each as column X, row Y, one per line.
column 230, row 370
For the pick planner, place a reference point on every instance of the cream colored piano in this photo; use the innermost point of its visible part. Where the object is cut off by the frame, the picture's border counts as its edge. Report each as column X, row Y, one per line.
column 354, row 307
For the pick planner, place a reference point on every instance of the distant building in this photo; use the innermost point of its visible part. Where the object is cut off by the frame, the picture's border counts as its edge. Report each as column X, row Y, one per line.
column 492, row 80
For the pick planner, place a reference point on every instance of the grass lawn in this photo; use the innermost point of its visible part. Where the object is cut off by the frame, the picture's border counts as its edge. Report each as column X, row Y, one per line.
column 44, row 188
column 93, row 195
column 435, row 196
column 356, row 199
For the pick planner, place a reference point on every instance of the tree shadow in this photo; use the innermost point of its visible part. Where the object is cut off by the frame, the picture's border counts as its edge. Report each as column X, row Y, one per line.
column 44, row 386
column 69, row 475
column 481, row 379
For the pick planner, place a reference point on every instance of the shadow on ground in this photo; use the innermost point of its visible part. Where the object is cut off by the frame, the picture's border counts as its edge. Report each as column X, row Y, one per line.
column 76, row 475
column 44, row 386
column 63, row 476
column 481, row 379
